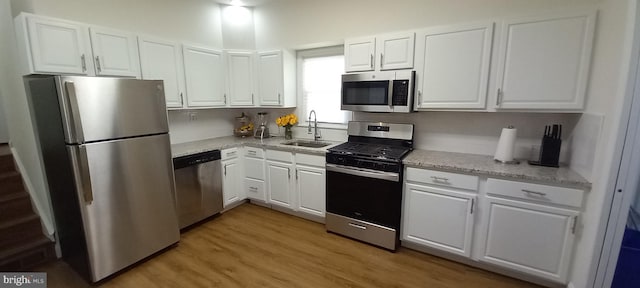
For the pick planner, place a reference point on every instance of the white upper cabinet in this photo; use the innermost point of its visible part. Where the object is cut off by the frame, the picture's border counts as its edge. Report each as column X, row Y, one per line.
column 543, row 62
column 205, row 77
column 395, row 51
column 359, row 54
column 240, row 71
column 384, row 52
column 161, row 60
column 276, row 78
column 452, row 64
column 53, row 46
column 115, row 53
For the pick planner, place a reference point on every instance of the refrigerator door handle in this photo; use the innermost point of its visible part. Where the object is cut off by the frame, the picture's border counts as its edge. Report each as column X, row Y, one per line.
column 80, row 163
column 73, row 125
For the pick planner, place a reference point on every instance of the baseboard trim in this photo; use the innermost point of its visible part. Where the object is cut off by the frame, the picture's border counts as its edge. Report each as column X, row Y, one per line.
column 49, row 228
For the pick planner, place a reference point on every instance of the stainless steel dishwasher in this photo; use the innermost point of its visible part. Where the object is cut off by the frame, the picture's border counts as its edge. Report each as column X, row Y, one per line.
column 198, row 186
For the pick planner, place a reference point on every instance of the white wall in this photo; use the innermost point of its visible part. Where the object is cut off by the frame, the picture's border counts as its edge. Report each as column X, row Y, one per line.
column 23, row 140
column 4, row 130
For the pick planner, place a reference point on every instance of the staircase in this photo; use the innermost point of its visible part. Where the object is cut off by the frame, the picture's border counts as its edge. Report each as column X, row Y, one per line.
column 22, row 242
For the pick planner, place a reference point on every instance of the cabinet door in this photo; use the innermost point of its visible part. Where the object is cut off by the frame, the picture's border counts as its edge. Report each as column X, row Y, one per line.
column 396, row 51
column 240, row 73
column 530, row 238
column 279, row 183
column 359, row 54
column 453, row 66
column 115, row 53
column 254, row 168
column 439, row 218
column 270, row 78
column 544, row 62
column 311, row 186
column 58, row 46
column 230, row 182
column 204, row 75
column 160, row 60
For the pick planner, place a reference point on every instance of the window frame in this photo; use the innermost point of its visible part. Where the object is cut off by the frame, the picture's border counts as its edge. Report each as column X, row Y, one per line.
column 302, row 107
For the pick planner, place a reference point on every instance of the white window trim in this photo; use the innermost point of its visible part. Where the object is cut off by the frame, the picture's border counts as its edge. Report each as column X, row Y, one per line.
column 310, row 53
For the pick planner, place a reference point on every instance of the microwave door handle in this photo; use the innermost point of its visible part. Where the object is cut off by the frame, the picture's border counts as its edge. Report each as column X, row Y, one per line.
column 390, row 95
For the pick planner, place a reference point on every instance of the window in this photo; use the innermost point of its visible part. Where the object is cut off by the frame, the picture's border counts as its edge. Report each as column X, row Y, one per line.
column 319, row 83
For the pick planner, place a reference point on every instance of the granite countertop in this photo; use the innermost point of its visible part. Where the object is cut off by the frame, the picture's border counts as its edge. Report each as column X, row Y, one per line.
column 486, row 166
column 183, row 149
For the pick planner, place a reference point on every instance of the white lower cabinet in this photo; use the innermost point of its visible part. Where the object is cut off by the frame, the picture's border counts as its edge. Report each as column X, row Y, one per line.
column 280, row 184
column 529, row 234
column 232, row 176
column 439, row 218
column 254, row 181
column 311, row 187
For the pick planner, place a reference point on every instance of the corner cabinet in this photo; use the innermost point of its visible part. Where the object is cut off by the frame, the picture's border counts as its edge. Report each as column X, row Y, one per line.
column 276, row 78
column 452, row 63
column 530, row 228
column 241, row 77
column 115, row 53
column 429, row 197
column 53, row 46
column 543, row 62
column 162, row 60
column 382, row 52
column 254, row 181
column 204, row 76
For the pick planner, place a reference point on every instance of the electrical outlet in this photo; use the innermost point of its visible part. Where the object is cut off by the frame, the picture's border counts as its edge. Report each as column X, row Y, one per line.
column 193, row 116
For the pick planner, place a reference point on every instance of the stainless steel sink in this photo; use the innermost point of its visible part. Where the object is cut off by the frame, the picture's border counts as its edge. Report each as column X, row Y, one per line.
column 307, row 143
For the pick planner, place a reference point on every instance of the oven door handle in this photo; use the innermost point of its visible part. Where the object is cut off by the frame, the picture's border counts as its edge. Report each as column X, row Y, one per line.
column 389, row 176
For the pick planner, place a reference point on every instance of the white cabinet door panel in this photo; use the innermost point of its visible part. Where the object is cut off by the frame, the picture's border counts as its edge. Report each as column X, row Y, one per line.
column 396, row 51
column 453, row 66
column 205, row 77
column 115, row 52
column 270, row 78
column 438, row 218
column 311, row 184
column 231, row 185
column 161, row 60
column 58, row 46
column 530, row 238
column 254, row 168
column 359, row 54
column 240, row 73
column 544, row 62
column 279, row 183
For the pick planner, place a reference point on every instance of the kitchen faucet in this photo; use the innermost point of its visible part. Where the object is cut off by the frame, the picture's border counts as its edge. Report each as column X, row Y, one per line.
column 316, row 135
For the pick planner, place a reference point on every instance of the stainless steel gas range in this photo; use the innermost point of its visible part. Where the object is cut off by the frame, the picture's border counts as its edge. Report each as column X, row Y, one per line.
column 364, row 182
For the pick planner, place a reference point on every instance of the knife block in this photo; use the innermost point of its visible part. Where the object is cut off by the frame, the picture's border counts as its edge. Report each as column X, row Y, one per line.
column 549, row 152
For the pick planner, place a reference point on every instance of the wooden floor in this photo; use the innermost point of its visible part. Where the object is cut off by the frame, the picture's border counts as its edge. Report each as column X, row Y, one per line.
column 252, row 246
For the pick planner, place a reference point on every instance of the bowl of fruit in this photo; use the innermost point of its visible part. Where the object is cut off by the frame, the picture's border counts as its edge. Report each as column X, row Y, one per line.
column 243, row 127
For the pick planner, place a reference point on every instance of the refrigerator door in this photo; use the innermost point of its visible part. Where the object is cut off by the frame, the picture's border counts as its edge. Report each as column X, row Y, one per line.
column 126, row 194
column 97, row 108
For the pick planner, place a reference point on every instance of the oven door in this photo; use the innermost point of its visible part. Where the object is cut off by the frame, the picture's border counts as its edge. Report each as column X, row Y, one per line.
column 366, row 195
column 370, row 92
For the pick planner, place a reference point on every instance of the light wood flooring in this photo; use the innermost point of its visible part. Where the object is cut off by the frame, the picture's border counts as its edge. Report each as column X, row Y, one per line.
column 252, row 246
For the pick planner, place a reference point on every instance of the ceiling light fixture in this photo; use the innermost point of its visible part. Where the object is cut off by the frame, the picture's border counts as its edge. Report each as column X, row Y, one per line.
column 236, row 3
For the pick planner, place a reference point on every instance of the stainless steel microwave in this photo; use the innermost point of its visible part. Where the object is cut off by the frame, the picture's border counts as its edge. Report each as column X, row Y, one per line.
column 390, row 91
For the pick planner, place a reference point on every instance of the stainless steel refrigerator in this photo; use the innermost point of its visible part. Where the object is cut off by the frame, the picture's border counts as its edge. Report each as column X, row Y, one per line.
column 107, row 160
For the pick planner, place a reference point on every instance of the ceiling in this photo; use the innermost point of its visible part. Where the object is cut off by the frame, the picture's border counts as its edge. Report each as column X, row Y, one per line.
column 250, row 3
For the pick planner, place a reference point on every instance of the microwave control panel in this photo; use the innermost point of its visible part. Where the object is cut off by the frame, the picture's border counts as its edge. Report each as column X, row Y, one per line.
column 400, row 92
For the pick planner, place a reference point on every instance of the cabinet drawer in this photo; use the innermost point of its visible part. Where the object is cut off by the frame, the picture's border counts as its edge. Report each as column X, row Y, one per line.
column 536, row 192
column 229, row 153
column 312, row 160
column 254, row 152
column 442, row 178
column 282, row 156
column 255, row 189
column 254, row 168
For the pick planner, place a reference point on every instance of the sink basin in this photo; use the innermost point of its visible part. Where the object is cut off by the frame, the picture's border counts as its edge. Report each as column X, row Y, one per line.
column 307, row 143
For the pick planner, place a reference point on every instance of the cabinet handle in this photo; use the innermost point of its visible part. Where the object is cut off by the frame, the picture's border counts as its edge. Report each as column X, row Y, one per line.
column 231, row 153
column 98, row 66
column 371, row 61
column 358, row 226
column 181, row 99
column 440, row 179
column 381, row 62
column 419, row 98
column 225, row 169
column 289, row 172
column 253, row 189
column 84, row 63
column 541, row 194
column 251, row 152
column 573, row 226
column 498, row 97
column 297, row 172
column 472, row 204
column 225, row 98
column 279, row 99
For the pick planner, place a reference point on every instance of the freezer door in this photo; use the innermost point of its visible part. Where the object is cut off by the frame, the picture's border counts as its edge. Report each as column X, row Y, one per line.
column 97, row 108
column 126, row 192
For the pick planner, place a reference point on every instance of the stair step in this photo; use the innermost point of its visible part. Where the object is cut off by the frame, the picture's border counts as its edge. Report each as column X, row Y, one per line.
column 11, row 182
column 25, row 255
column 15, row 205
column 7, row 164
column 18, row 230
